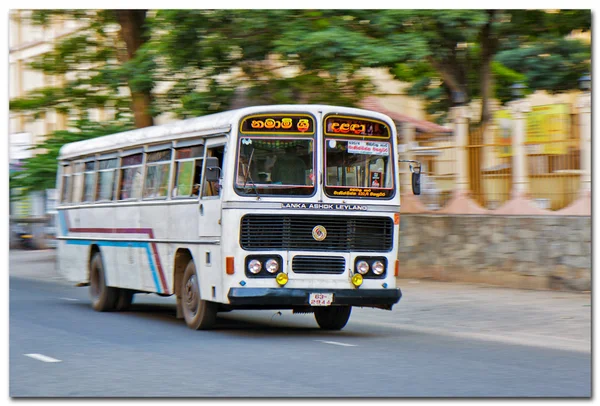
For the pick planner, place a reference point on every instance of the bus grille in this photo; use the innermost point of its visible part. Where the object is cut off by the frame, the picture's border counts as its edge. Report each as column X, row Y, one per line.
column 294, row 232
column 313, row 264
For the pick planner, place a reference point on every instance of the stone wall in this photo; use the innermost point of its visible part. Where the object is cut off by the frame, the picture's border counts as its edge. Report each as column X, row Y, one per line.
column 548, row 252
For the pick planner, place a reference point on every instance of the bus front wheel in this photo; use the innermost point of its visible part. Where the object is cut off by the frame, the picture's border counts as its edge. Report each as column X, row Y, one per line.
column 332, row 318
column 198, row 314
column 104, row 298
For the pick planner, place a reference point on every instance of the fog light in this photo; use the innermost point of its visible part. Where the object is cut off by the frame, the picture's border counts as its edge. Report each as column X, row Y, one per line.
column 357, row 280
column 281, row 278
column 272, row 266
column 362, row 267
column 378, row 267
column 254, row 266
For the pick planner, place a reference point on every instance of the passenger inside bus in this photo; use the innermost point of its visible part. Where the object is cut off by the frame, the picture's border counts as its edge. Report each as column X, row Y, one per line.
column 289, row 169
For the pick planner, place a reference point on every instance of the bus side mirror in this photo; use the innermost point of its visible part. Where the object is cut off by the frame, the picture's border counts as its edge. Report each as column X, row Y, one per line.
column 212, row 169
column 416, row 183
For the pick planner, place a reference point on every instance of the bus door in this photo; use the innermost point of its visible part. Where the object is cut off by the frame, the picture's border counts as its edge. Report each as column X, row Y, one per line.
column 209, row 224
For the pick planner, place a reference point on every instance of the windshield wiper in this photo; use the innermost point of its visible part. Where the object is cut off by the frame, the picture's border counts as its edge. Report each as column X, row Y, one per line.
column 247, row 175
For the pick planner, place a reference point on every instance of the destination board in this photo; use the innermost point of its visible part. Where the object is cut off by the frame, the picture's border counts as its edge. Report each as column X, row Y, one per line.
column 356, row 127
column 300, row 124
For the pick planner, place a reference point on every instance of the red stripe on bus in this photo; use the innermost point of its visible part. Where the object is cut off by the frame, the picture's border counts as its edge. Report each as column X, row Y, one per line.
column 147, row 231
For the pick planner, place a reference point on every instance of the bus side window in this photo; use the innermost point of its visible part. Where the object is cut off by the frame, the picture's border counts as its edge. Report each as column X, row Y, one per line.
column 188, row 171
column 212, row 188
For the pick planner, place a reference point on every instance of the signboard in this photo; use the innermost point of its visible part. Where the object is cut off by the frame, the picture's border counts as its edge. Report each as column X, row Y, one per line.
column 369, row 148
column 546, row 124
column 376, row 179
column 504, row 130
column 299, row 124
column 356, row 127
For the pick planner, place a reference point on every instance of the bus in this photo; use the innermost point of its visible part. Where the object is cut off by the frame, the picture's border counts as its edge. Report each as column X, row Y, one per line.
column 289, row 207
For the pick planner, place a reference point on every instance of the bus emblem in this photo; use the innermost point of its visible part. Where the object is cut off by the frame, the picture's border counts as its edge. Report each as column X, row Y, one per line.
column 319, row 233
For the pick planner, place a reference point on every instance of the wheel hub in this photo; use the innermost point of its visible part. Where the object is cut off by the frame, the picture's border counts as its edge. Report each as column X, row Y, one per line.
column 191, row 294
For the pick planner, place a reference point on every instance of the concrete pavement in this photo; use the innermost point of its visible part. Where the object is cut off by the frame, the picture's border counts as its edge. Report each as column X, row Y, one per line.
column 550, row 319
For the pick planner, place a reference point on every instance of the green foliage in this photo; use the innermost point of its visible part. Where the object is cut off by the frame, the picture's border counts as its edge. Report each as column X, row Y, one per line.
column 209, row 60
column 39, row 171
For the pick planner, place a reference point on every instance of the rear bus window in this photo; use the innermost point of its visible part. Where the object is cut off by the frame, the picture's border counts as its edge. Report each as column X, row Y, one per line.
column 66, row 184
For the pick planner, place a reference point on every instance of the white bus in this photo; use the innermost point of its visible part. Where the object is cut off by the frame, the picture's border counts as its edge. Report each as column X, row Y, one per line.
column 271, row 207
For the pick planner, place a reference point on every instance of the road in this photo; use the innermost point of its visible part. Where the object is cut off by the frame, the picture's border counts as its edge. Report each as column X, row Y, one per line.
column 439, row 341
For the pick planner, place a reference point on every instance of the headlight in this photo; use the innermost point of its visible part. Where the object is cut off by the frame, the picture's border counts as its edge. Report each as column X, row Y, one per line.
column 254, row 266
column 378, row 267
column 272, row 266
column 362, row 267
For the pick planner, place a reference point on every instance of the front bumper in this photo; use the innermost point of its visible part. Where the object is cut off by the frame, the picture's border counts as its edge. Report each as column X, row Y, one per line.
column 283, row 298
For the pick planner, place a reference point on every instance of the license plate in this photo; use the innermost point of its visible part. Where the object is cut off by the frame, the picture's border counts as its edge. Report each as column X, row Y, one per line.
column 320, row 299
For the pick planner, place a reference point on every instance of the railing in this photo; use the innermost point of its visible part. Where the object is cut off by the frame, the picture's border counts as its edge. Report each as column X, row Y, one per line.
column 553, row 168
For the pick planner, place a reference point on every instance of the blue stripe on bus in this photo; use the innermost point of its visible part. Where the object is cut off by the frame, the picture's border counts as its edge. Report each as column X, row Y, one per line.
column 124, row 244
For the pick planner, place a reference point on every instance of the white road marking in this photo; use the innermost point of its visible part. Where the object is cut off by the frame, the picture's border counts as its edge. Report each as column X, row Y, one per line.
column 71, row 299
column 41, row 357
column 336, row 343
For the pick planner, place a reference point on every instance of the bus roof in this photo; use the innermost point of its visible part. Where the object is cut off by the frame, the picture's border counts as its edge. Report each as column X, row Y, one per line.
column 191, row 128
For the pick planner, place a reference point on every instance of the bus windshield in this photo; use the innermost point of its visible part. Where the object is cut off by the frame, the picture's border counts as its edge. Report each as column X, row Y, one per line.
column 274, row 166
column 359, row 168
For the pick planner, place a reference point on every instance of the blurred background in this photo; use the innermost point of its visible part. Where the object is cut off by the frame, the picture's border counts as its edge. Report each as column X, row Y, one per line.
column 495, row 104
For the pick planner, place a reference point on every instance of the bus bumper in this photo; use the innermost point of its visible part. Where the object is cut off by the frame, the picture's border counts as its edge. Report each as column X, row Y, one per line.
column 282, row 298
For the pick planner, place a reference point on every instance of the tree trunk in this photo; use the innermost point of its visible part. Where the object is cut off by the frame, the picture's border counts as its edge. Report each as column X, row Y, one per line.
column 489, row 46
column 134, row 36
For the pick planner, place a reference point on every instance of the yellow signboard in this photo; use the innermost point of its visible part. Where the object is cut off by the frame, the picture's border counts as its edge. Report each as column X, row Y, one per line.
column 504, row 130
column 548, row 126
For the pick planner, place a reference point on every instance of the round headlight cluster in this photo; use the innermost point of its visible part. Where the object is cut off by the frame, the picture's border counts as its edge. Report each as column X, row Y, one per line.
column 370, row 266
column 362, row 267
column 254, row 266
column 378, row 267
column 272, row 266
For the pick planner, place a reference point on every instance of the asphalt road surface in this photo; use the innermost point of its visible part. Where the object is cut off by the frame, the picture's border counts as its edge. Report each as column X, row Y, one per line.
column 60, row 347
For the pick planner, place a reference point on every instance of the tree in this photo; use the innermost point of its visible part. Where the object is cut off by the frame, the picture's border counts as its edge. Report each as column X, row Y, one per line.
column 98, row 66
column 442, row 52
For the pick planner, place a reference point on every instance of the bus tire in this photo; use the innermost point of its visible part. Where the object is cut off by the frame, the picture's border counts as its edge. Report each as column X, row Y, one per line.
column 104, row 298
column 124, row 300
column 332, row 318
column 198, row 314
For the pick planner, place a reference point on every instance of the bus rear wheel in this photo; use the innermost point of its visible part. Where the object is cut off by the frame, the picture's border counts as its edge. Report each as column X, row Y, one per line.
column 332, row 318
column 104, row 298
column 198, row 314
